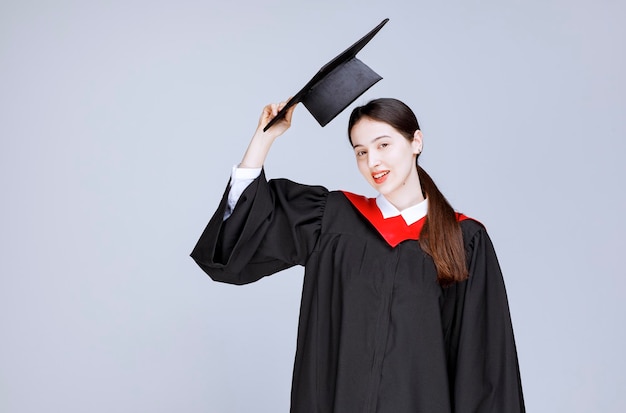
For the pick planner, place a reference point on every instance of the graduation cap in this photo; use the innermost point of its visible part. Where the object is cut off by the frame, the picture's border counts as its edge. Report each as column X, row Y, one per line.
column 336, row 85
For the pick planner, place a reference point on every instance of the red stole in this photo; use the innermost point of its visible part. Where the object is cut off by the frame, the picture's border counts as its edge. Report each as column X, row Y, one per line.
column 394, row 229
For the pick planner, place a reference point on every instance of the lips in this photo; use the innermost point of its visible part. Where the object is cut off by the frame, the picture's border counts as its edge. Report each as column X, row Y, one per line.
column 380, row 176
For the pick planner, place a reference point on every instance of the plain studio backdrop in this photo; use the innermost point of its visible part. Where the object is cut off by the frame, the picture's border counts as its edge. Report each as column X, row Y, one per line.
column 119, row 124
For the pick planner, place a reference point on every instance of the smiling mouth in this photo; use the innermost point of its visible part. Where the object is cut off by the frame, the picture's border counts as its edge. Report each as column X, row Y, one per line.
column 380, row 177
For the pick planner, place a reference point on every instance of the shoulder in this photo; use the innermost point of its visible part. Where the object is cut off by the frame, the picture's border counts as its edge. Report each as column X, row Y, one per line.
column 340, row 199
column 296, row 196
column 289, row 186
column 360, row 202
column 471, row 229
column 470, row 225
column 355, row 199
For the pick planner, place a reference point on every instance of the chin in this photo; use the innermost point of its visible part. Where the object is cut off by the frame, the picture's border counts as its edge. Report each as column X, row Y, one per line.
column 385, row 189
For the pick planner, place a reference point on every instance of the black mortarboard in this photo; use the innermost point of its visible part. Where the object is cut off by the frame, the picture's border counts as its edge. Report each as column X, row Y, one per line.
column 336, row 85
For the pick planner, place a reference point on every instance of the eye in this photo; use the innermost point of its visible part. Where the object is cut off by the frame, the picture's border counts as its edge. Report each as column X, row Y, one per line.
column 383, row 145
column 360, row 153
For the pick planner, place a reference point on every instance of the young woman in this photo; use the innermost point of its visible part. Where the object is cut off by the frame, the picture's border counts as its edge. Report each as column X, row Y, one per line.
column 403, row 305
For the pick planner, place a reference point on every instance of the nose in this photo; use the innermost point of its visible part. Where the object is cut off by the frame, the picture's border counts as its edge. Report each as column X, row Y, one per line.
column 372, row 160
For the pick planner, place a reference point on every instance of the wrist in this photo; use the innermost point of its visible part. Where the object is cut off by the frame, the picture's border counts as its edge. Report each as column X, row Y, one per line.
column 257, row 151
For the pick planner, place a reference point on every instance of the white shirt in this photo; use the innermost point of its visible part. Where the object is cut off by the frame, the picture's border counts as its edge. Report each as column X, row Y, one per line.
column 240, row 178
column 410, row 215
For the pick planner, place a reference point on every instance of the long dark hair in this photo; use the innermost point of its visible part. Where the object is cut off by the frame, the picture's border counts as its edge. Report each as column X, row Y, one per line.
column 441, row 235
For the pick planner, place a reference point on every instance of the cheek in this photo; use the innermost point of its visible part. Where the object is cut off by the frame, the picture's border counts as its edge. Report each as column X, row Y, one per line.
column 403, row 159
column 361, row 163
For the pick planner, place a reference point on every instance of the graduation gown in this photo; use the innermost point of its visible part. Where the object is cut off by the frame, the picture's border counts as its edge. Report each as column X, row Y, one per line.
column 376, row 332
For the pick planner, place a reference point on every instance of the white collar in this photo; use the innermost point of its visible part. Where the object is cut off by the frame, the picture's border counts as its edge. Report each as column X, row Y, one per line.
column 410, row 215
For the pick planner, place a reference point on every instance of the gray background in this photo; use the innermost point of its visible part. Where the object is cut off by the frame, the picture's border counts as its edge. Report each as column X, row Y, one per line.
column 119, row 123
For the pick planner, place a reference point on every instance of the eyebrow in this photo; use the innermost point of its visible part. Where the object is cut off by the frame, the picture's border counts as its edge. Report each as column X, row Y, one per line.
column 373, row 140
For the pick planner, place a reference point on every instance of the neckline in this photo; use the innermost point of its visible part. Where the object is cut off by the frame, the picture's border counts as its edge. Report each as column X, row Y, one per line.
column 410, row 215
column 393, row 229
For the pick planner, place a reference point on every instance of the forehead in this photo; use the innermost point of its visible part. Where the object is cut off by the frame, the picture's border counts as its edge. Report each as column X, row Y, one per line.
column 366, row 130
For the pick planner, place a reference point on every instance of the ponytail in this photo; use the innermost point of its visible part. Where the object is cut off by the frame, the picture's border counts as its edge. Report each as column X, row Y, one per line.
column 441, row 235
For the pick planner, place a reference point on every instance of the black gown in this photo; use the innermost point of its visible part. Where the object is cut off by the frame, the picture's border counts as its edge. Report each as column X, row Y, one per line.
column 376, row 332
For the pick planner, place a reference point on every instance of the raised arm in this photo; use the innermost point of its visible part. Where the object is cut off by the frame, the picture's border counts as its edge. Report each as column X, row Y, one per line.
column 274, row 226
column 261, row 142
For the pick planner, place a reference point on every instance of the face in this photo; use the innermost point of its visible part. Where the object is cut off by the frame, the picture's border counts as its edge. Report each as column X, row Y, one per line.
column 386, row 159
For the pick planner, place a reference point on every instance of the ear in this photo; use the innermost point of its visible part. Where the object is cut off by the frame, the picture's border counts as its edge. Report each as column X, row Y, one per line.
column 417, row 142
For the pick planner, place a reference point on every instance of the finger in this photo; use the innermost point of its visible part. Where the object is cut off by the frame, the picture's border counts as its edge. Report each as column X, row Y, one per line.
column 289, row 113
column 266, row 113
column 284, row 103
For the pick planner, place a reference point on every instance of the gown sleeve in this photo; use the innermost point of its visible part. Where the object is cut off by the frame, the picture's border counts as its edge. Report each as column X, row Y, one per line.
column 483, row 366
column 274, row 226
